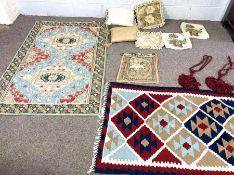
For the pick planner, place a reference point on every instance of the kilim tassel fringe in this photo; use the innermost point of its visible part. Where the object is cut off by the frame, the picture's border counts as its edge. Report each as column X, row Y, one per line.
column 99, row 130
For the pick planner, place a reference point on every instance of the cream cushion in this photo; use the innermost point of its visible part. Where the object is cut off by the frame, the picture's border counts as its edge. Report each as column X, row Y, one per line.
column 120, row 16
column 149, row 40
column 120, row 34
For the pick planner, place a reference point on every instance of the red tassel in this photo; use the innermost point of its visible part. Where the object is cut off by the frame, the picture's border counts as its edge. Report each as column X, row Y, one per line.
column 188, row 81
column 217, row 84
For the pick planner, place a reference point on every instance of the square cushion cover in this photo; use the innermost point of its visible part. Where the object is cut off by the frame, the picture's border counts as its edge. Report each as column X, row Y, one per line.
column 120, row 16
column 150, row 15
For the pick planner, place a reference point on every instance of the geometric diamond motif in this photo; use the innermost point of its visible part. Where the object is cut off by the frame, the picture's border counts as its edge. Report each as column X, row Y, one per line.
column 230, row 125
column 180, row 107
column 217, row 110
column 228, row 102
column 145, row 143
column 117, row 103
column 186, row 146
column 224, row 147
column 203, row 127
column 144, row 105
column 167, row 157
column 196, row 100
column 128, row 95
column 124, row 153
column 112, row 141
column 65, row 41
column 127, row 121
column 205, row 161
column 163, row 124
column 160, row 98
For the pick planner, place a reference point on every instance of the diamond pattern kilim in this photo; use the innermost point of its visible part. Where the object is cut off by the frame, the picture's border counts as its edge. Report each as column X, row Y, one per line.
column 163, row 124
column 117, row 103
column 113, row 140
column 144, row 105
column 180, row 107
column 203, row 127
column 157, row 130
column 187, row 147
column 224, row 147
column 145, row 143
column 127, row 121
column 218, row 110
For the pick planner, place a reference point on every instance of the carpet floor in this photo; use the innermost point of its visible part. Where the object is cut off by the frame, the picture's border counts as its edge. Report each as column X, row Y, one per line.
column 54, row 145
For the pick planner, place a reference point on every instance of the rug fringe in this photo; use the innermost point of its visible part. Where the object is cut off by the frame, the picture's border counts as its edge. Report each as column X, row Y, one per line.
column 99, row 130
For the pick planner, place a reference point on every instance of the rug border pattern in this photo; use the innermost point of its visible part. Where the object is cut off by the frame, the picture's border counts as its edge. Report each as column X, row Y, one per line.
column 95, row 101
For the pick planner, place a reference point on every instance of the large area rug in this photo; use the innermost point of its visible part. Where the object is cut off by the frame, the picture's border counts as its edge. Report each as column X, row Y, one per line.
column 59, row 69
column 153, row 130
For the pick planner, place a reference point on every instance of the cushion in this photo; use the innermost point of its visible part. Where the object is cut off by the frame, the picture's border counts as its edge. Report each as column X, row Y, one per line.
column 120, row 34
column 176, row 41
column 120, row 16
column 197, row 31
column 150, row 15
column 149, row 40
column 138, row 68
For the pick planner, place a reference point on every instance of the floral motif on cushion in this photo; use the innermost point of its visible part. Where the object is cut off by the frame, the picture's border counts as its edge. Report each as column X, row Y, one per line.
column 150, row 15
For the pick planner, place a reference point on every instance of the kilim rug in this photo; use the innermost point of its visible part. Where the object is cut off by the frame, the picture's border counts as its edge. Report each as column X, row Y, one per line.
column 59, row 69
column 155, row 130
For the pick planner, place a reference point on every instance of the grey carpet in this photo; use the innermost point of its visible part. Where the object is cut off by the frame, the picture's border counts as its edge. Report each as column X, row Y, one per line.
column 62, row 145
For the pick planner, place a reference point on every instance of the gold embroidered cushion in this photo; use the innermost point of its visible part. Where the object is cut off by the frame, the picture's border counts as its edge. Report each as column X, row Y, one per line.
column 176, row 41
column 191, row 30
column 150, row 15
column 120, row 34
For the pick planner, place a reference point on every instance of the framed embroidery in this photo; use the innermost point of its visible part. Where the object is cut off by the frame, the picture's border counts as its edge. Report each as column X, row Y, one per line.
column 149, row 40
column 176, row 41
column 150, row 15
column 138, row 68
column 197, row 31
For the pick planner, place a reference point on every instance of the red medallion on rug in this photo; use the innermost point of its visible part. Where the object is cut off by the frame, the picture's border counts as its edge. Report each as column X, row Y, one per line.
column 165, row 131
